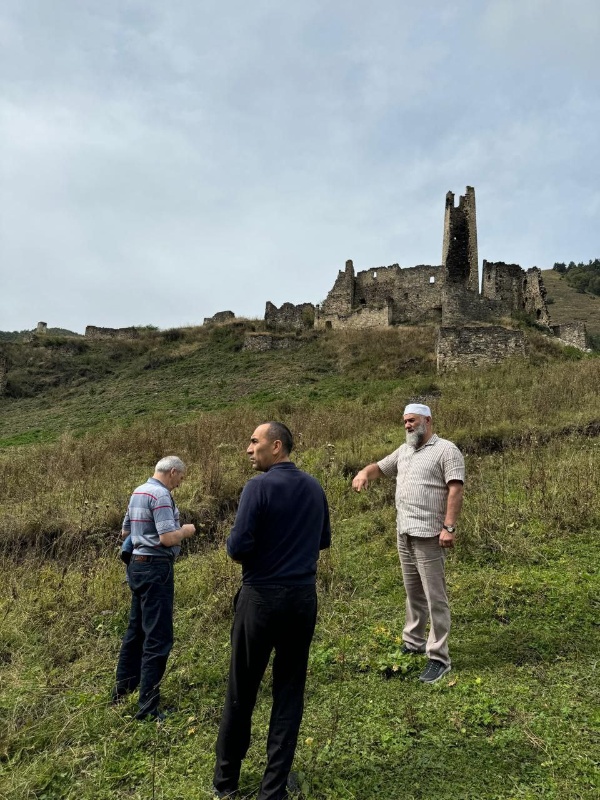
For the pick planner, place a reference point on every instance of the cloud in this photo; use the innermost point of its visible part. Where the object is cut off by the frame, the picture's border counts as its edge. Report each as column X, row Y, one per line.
column 163, row 162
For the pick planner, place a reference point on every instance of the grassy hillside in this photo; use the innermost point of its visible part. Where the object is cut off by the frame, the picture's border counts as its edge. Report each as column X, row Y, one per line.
column 517, row 716
column 571, row 305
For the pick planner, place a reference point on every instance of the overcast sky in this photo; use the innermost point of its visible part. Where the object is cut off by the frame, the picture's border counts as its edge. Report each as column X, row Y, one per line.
column 162, row 161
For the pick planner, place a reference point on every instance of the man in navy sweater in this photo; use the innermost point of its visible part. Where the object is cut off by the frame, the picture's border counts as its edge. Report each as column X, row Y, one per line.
column 281, row 525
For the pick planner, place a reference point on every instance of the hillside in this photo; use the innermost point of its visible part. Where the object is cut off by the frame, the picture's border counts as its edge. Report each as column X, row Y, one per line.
column 569, row 305
column 516, row 719
column 59, row 384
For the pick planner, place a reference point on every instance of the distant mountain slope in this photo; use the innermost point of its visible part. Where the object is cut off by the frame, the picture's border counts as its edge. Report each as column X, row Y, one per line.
column 569, row 304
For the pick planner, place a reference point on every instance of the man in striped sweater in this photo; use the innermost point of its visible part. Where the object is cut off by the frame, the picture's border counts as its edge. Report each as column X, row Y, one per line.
column 430, row 474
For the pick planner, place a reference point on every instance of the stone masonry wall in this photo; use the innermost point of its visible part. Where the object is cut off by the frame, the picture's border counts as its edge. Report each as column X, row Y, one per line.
column 263, row 342
column 534, row 296
column 513, row 289
column 341, row 297
column 219, row 318
column 360, row 318
column 93, row 332
column 289, row 316
column 503, row 283
column 459, row 247
column 476, row 346
column 572, row 333
column 460, row 306
column 413, row 294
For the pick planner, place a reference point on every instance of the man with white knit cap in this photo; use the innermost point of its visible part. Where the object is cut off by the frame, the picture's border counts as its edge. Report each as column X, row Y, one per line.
column 430, row 475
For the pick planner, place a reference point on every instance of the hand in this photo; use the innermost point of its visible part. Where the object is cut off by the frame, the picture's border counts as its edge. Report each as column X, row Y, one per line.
column 188, row 530
column 446, row 538
column 360, row 482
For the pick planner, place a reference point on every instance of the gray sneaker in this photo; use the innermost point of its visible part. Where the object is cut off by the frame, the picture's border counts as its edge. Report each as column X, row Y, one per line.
column 434, row 671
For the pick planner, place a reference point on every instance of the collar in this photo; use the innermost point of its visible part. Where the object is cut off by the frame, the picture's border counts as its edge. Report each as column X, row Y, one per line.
column 432, row 440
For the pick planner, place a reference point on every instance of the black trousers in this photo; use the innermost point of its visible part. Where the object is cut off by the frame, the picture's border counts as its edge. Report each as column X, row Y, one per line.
column 266, row 619
column 149, row 636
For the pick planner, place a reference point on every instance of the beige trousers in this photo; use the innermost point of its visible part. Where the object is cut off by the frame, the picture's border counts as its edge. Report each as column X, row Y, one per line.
column 422, row 561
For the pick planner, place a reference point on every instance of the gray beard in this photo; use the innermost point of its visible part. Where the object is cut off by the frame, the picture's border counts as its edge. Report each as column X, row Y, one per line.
column 415, row 438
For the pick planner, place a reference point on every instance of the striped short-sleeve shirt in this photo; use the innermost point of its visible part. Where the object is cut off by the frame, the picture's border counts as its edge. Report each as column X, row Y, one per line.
column 151, row 512
column 422, row 478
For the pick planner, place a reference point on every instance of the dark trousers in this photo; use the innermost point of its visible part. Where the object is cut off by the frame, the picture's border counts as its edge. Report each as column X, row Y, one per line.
column 266, row 619
column 149, row 636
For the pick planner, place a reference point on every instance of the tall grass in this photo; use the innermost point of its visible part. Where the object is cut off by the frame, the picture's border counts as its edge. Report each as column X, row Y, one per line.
column 514, row 721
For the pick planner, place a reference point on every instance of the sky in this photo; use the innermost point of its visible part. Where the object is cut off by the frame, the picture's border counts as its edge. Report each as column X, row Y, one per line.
column 161, row 162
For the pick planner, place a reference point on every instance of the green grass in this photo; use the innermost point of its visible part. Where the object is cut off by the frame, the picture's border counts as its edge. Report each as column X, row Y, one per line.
column 515, row 719
column 569, row 304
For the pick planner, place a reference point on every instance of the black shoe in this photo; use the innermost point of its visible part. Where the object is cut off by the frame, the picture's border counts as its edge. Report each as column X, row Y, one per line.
column 226, row 795
column 153, row 716
column 434, row 671
column 293, row 785
column 117, row 697
column 407, row 650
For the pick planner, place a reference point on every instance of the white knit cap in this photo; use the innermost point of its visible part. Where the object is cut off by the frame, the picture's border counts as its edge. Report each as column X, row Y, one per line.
column 418, row 408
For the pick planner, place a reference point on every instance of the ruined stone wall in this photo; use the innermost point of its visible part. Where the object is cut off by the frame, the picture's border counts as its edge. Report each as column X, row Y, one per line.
column 573, row 334
column 534, row 296
column 374, row 287
column 503, row 283
column 359, row 318
column 289, row 317
column 219, row 318
column 418, row 295
column 340, row 299
column 513, row 289
column 391, row 295
column 476, row 346
column 263, row 342
column 459, row 248
column 93, row 332
column 462, row 307
column 42, row 327
column 413, row 294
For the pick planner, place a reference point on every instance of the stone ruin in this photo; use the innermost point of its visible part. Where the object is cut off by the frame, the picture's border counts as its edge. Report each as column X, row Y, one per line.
column 445, row 294
column 94, row 332
column 573, row 334
column 262, row 342
column 476, row 345
column 289, row 317
column 219, row 318
column 41, row 328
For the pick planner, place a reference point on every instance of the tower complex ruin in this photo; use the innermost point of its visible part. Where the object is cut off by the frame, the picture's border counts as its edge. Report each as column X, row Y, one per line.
column 472, row 327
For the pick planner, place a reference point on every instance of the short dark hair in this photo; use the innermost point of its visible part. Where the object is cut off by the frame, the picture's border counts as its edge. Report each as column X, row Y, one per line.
column 277, row 430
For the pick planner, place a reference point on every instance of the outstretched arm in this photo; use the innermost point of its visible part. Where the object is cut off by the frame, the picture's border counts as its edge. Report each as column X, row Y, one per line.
column 369, row 473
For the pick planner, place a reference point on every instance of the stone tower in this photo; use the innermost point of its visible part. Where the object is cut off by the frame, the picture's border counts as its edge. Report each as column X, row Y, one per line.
column 459, row 251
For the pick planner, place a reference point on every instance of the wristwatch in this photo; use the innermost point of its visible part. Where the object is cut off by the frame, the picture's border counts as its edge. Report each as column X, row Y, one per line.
column 449, row 528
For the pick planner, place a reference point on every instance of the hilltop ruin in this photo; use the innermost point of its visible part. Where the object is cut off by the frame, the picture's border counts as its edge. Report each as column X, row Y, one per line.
column 445, row 294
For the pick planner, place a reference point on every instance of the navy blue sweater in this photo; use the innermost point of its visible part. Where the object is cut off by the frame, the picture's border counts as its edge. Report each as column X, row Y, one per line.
column 281, row 524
